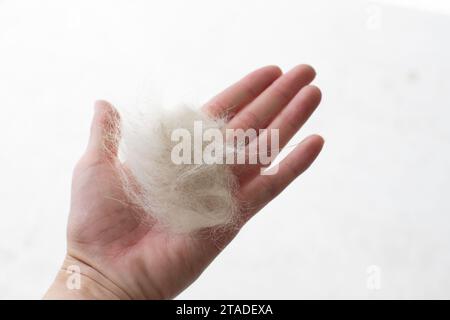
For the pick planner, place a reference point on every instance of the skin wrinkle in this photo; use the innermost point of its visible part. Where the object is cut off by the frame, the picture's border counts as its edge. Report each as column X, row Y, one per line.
column 97, row 282
column 85, row 262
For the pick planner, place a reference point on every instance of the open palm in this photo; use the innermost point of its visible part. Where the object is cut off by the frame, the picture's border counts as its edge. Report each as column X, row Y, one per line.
column 129, row 259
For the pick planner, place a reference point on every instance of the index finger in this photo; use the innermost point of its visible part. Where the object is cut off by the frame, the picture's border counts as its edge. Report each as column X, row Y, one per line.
column 238, row 95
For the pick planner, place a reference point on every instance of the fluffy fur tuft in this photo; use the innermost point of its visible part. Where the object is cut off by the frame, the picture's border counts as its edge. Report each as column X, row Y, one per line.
column 181, row 197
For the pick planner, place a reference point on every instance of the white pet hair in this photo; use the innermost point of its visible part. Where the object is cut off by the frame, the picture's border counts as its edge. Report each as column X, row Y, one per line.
column 182, row 198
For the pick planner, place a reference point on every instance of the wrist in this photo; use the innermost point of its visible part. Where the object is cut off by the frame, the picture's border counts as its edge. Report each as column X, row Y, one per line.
column 77, row 280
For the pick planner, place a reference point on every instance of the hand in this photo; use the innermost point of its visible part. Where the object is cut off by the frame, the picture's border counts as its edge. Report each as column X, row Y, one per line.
column 121, row 258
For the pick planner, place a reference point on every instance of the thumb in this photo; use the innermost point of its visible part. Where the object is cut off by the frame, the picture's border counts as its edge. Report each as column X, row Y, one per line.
column 105, row 131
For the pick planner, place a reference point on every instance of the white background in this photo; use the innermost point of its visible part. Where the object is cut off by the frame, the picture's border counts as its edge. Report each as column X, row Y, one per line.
column 378, row 194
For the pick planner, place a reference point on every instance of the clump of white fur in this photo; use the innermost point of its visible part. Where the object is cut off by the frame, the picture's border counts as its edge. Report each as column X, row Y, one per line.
column 181, row 197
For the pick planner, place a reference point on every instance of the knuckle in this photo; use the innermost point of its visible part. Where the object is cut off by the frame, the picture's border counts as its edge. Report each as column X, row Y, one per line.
column 248, row 119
